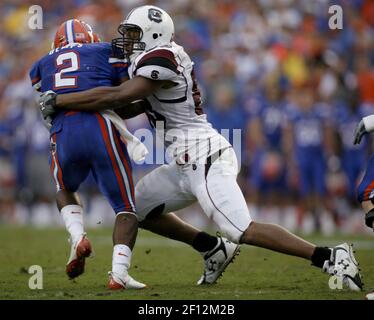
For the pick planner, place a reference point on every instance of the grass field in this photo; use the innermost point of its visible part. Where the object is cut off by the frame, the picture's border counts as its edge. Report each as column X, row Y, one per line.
column 169, row 268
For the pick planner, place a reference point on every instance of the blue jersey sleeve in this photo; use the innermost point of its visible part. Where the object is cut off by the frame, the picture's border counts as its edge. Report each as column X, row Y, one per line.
column 35, row 76
column 119, row 69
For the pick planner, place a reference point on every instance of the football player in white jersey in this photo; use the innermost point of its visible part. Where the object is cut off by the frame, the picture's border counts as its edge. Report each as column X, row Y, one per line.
column 365, row 190
column 204, row 166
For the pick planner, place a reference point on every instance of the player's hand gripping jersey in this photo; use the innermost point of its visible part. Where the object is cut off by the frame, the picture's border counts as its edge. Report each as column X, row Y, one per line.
column 187, row 130
column 83, row 141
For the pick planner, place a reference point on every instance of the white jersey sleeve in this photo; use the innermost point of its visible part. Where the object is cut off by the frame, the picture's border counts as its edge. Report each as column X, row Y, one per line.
column 159, row 64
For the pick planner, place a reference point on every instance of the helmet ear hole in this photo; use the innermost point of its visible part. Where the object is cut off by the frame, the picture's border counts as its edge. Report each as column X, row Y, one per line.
column 155, row 36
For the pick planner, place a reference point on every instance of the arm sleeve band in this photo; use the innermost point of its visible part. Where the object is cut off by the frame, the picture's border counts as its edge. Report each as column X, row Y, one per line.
column 369, row 123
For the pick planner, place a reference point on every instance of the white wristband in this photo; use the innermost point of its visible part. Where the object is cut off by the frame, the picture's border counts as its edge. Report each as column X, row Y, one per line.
column 369, row 123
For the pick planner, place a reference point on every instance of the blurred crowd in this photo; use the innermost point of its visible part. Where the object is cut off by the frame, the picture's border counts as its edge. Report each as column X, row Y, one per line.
column 272, row 68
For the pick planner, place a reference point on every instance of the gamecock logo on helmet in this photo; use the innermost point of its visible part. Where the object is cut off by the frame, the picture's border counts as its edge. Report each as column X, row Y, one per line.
column 155, row 15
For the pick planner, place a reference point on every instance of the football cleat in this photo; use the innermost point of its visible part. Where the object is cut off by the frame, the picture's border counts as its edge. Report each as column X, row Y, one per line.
column 80, row 250
column 217, row 260
column 343, row 264
column 119, row 283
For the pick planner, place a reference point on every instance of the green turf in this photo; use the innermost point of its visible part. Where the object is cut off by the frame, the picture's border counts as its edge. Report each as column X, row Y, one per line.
column 170, row 269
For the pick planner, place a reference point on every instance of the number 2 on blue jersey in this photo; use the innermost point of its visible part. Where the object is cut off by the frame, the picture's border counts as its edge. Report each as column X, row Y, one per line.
column 66, row 62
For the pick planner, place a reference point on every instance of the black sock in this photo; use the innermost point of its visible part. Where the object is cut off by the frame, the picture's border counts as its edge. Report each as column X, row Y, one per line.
column 204, row 242
column 320, row 255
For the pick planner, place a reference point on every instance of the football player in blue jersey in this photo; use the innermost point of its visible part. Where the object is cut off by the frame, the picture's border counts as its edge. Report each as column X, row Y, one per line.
column 353, row 156
column 84, row 142
column 268, row 174
column 309, row 133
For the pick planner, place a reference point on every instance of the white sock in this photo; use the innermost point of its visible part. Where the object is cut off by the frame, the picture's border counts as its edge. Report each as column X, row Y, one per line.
column 73, row 218
column 121, row 259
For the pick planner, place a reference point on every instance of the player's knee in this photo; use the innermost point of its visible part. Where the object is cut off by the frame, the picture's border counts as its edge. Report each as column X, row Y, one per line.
column 148, row 215
column 127, row 217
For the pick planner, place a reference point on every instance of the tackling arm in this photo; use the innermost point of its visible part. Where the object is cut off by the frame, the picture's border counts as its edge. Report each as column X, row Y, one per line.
column 131, row 110
column 102, row 98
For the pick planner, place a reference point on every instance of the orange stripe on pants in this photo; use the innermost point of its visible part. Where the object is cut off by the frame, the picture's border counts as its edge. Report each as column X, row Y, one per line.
column 117, row 172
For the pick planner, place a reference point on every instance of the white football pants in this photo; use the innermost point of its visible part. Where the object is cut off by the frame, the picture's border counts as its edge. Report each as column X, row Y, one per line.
column 172, row 187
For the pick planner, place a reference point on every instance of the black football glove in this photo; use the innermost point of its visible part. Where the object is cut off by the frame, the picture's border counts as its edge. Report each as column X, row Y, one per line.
column 47, row 103
column 359, row 132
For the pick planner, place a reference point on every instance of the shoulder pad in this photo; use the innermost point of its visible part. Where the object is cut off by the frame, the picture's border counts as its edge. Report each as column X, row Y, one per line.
column 159, row 64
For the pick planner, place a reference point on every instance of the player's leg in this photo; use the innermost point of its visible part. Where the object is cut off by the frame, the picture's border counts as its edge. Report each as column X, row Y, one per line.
column 365, row 193
column 111, row 168
column 223, row 201
column 65, row 198
column 68, row 174
column 368, row 207
column 154, row 207
column 71, row 209
column 170, row 226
